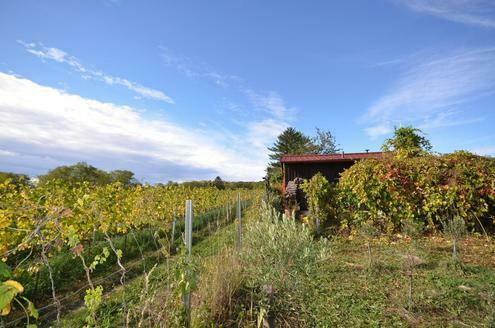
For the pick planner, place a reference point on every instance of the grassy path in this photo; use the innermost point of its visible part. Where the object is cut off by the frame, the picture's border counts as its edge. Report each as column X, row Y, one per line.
column 112, row 306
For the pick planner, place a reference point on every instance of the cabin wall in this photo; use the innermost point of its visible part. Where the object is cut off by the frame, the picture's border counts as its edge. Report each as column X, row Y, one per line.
column 330, row 170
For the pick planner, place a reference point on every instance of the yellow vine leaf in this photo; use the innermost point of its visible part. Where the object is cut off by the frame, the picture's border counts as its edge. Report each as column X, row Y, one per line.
column 6, row 310
column 15, row 284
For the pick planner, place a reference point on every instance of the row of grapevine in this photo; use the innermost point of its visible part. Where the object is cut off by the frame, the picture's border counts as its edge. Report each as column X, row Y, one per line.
column 39, row 222
column 58, row 212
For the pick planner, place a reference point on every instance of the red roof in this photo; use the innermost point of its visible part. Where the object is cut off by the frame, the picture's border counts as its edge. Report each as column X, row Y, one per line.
column 311, row 158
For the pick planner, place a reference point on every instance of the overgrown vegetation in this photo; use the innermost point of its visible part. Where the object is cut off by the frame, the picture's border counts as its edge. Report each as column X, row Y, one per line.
column 283, row 277
column 280, row 261
column 59, row 232
column 428, row 188
column 402, row 246
column 409, row 183
column 320, row 195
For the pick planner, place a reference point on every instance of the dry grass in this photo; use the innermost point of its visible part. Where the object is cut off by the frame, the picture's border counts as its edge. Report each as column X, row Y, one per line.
column 218, row 289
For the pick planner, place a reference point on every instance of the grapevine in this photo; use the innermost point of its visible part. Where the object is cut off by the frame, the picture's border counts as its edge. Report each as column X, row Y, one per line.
column 39, row 222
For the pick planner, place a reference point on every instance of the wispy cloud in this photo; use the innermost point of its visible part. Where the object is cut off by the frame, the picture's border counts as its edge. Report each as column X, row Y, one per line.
column 379, row 129
column 447, row 119
column 195, row 68
column 430, row 91
column 52, row 127
column 265, row 114
column 271, row 103
column 61, row 56
column 472, row 12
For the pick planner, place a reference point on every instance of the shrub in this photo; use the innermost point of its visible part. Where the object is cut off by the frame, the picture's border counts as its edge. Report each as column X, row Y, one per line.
column 320, row 197
column 280, row 259
column 429, row 188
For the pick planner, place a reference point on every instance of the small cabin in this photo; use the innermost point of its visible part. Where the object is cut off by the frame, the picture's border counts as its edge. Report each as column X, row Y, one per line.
column 331, row 165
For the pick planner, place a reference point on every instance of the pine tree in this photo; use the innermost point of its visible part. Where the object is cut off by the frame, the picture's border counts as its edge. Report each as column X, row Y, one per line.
column 291, row 142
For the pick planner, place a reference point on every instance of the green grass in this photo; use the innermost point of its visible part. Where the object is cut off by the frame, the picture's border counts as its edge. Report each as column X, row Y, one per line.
column 444, row 294
column 111, row 312
column 337, row 288
column 341, row 289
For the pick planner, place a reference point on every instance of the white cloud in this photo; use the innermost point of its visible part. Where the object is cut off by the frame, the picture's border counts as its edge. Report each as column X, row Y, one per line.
column 379, row 129
column 272, row 104
column 55, row 127
column 472, row 12
column 7, row 153
column 262, row 133
column 61, row 56
column 485, row 151
column 429, row 92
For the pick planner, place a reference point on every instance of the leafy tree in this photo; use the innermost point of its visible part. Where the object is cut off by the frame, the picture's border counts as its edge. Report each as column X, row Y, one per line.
column 197, row 184
column 84, row 172
column 123, row 176
column 77, row 173
column 324, row 142
column 407, row 142
column 218, row 183
column 226, row 184
column 17, row 179
column 243, row 184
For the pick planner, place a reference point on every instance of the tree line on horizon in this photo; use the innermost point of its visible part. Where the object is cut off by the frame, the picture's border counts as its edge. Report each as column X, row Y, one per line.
column 84, row 172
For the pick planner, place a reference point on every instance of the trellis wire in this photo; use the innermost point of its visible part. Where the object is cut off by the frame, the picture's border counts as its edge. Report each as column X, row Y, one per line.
column 188, row 225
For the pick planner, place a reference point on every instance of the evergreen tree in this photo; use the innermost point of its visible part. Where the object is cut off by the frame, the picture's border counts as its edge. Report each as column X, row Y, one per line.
column 291, row 142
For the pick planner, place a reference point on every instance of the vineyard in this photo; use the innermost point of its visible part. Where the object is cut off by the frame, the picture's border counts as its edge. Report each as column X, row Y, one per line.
column 54, row 236
column 400, row 240
column 86, row 255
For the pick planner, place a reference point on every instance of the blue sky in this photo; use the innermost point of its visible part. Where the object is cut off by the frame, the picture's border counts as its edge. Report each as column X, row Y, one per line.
column 180, row 90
